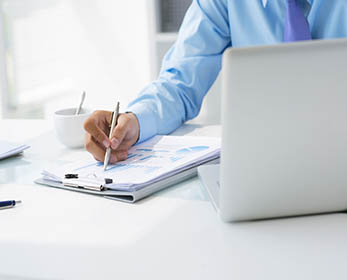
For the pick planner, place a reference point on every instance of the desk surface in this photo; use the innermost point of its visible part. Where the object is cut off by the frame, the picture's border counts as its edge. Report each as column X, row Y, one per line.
column 174, row 234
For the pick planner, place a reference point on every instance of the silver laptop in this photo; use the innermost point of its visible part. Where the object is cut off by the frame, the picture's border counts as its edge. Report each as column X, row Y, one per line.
column 284, row 132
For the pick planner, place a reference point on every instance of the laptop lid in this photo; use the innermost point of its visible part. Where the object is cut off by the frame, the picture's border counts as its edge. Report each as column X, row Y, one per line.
column 284, row 138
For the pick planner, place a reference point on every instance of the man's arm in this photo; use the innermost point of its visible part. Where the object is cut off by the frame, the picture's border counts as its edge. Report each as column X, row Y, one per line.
column 188, row 71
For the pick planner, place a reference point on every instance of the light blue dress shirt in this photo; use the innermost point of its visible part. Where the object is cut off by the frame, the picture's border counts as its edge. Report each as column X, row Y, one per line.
column 210, row 26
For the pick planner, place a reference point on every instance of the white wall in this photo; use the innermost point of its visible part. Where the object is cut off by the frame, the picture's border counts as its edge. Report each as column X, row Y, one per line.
column 102, row 45
column 115, row 65
column 2, row 72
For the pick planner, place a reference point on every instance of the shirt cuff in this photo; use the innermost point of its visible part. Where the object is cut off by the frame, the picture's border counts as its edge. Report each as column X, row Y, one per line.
column 146, row 118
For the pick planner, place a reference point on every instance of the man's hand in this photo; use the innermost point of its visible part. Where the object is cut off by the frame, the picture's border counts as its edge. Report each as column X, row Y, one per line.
column 125, row 134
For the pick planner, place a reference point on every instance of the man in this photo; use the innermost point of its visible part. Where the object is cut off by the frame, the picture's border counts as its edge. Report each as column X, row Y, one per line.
column 193, row 63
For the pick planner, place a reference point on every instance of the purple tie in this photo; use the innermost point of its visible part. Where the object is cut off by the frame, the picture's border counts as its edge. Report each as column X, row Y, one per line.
column 297, row 28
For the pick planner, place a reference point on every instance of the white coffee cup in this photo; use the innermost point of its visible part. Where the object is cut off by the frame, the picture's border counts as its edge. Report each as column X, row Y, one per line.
column 69, row 127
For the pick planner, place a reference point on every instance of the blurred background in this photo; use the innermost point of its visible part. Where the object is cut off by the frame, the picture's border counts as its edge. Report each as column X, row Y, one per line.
column 52, row 50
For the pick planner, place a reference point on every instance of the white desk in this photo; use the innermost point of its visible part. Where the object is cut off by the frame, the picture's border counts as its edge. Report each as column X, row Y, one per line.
column 174, row 234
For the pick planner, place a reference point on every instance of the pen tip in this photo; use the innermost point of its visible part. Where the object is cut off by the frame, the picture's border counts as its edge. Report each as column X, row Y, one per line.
column 18, row 201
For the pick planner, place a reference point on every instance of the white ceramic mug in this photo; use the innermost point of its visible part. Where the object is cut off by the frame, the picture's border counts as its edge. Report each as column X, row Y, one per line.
column 69, row 127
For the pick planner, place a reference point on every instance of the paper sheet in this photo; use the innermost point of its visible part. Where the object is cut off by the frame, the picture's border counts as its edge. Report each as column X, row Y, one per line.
column 147, row 162
column 8, row 149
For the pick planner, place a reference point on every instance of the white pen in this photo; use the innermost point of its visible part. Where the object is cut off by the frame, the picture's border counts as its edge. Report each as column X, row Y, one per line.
column 78, row 110
column 113, row 124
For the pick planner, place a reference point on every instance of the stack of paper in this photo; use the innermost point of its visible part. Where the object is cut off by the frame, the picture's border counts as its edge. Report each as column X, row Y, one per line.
column 148, row 163
column 8, row 149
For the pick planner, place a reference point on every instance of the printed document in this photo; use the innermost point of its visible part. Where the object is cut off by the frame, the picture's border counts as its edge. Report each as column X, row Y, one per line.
column 148, row 162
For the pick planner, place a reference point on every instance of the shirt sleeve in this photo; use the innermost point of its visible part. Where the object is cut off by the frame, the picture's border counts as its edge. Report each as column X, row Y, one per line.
column 188, row 70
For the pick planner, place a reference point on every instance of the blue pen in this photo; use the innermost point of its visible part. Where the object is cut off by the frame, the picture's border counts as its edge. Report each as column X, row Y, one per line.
column 8, row 203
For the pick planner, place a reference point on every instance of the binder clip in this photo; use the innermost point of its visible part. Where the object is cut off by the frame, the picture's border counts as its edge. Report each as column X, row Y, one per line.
column 108, row 181
column 71, row 176
column 72, row 180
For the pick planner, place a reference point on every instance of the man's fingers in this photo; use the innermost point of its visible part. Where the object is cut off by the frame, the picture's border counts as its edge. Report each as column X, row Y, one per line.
column 125, row 145
column 92, row 128
column 99, row 152
column 118, row 156
column 94, row 148
column 124, row 135
column 118, row 135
